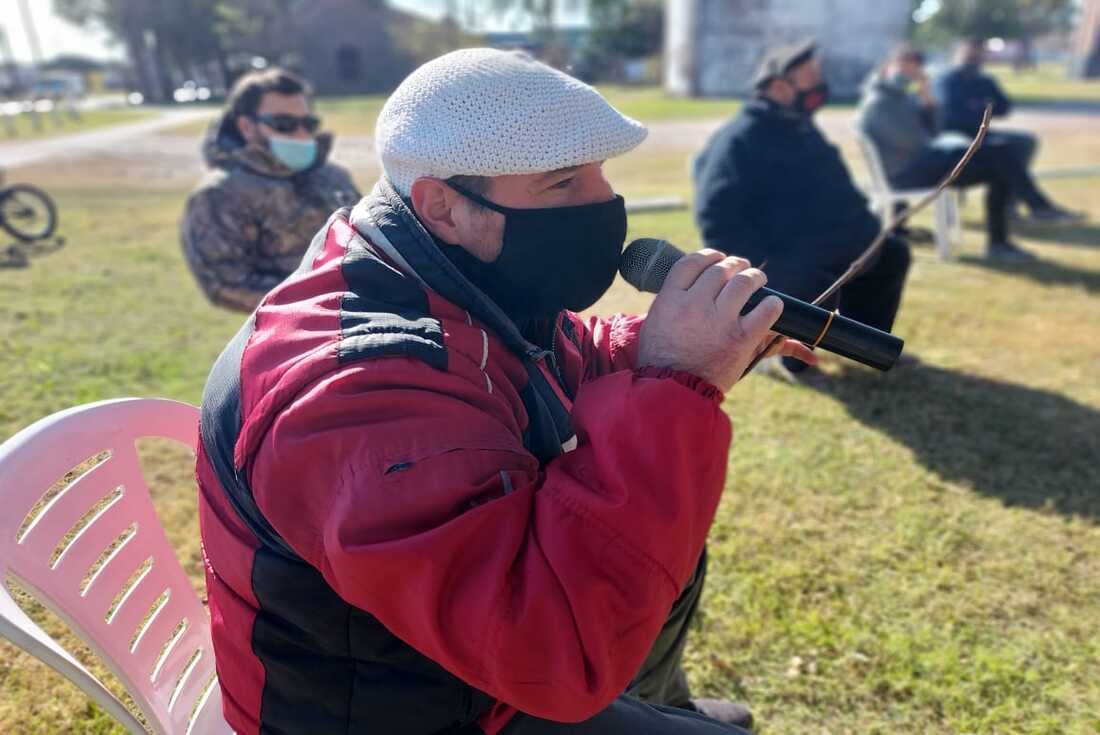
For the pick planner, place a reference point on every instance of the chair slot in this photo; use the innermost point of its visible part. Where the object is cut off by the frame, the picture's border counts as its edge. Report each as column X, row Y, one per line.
column 126, row 592
column 200, row 701
column 90, row 517
column 181, row 680
column 150, row 617
column 55, row 491
column 117, row 572
column 169, row 646
column 109, row 552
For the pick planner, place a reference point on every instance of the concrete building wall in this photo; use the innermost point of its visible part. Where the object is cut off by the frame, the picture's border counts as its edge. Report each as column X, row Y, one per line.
column 713, row 46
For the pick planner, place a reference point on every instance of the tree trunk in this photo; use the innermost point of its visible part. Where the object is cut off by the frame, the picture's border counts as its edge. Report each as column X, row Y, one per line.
column 1086, row 61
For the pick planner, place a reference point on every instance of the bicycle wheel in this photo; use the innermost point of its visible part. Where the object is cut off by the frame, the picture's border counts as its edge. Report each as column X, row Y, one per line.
column 27, row 212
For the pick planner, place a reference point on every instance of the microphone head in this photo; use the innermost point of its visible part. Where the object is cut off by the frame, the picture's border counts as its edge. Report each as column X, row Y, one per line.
column 646, row 262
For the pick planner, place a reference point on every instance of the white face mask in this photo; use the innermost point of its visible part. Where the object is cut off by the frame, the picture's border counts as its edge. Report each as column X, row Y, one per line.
column 295, row 154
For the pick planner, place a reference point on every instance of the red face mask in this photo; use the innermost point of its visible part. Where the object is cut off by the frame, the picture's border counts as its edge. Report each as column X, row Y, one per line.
column 809, row 101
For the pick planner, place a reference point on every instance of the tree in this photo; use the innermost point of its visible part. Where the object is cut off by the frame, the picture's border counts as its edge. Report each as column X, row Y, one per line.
column 629, row 29
column 165, row 39
column 541, row 13
column 1021, row 20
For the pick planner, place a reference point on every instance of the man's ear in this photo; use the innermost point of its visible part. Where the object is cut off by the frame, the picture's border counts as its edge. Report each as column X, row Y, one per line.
column 434, row 203
column 246, row 127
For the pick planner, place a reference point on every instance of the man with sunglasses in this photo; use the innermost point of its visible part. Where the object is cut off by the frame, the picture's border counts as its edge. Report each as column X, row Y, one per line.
column 433, row 498
column 269, row 189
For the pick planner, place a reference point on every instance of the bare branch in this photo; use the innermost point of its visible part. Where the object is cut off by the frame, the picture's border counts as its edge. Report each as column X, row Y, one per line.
column 896, row 220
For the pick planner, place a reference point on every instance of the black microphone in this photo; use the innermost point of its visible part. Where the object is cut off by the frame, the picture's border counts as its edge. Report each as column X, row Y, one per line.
column 645, row 265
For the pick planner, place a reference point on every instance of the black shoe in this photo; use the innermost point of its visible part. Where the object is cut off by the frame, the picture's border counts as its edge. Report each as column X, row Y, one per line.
column 1056, row 216
column 1007, row 252
column 721, row 710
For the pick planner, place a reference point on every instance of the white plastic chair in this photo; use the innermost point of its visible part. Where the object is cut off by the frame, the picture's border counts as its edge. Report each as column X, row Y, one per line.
column 165, row 659
column 948, row 227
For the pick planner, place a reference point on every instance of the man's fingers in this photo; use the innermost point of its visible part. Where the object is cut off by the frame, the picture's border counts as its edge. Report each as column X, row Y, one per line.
column 762, row 317
column 688, row 268
column 712, row 280
column 737, row 291
column 797, row 350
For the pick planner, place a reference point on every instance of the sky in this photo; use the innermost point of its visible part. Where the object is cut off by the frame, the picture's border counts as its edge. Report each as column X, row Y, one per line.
column 55, row 35
column 569, row 12
column 58, row 37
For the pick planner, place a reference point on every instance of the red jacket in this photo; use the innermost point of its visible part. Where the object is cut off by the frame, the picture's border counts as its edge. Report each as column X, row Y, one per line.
column 412, row 515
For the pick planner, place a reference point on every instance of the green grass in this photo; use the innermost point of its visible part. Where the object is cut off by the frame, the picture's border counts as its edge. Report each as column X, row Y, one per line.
column 902, row 553
column 652, row 104
column 22, row 126
column 1045, row 85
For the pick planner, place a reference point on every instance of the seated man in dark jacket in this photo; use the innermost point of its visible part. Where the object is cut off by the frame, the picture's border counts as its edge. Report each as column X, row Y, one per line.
column 770, row 187
column 962, row 93
column 902, row 127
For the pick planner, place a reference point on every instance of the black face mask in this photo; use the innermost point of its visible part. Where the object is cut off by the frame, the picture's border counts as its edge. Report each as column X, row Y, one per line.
column 551, row 259
column 809, row 101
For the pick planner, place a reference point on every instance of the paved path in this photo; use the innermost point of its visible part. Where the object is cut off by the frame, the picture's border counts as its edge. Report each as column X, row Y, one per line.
column 145, row 151
column 116, row 138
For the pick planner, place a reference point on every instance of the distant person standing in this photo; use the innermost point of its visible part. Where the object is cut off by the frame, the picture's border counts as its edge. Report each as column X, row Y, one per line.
column 269, row 190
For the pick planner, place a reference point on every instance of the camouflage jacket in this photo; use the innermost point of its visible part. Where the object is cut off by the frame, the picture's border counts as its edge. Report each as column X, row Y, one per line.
column 250, row 220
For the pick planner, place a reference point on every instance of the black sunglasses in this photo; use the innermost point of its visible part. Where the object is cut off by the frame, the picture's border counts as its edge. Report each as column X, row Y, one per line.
column 290, row 123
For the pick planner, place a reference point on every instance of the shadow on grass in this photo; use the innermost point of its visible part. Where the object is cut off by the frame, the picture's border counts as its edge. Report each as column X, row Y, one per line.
column 18, row 255
column 1047, row 272
column 1082, row 235
column 1028, row 447
column 1035, row 103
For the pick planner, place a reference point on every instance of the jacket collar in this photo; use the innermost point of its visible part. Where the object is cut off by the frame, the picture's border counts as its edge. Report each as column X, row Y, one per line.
column 386, row 220
column 761, row 107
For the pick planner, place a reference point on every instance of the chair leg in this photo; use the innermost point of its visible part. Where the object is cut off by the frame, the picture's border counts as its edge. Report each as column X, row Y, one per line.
column 955, row 204
column 943, row 226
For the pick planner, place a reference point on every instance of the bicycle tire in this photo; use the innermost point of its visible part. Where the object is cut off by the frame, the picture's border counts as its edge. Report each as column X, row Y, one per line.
column 35, row 198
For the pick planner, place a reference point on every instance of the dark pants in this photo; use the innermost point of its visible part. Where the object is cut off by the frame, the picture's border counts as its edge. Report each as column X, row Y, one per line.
column 1023, row 145
column 644, row 708
column 997, row 164
column 873, row 297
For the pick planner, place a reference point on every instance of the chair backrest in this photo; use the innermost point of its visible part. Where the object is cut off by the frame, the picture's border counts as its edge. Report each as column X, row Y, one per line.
column 95, row 554
column 879, row 182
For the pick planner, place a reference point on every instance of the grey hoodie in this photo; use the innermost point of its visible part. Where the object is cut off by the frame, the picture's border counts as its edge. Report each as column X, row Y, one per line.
column 895, row 121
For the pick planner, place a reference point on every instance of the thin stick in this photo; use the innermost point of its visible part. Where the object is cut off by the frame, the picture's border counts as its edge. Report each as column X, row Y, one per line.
column 896, row 220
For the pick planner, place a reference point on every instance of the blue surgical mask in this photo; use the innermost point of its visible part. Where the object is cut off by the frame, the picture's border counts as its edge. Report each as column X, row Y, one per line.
column 295, row 154
column 901, row 81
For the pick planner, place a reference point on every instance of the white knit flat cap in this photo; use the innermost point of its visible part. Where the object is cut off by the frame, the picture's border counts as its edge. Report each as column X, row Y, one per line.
column 486, row 112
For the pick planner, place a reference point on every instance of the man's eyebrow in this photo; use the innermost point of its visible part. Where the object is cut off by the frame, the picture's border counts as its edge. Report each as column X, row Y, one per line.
column 557, row 172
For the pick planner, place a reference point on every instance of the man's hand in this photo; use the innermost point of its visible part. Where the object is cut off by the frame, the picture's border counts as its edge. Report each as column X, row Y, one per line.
column 924, row 90
column 695, row 323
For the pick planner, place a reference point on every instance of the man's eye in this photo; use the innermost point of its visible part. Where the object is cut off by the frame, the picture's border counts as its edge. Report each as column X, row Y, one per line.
column 563, row 184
